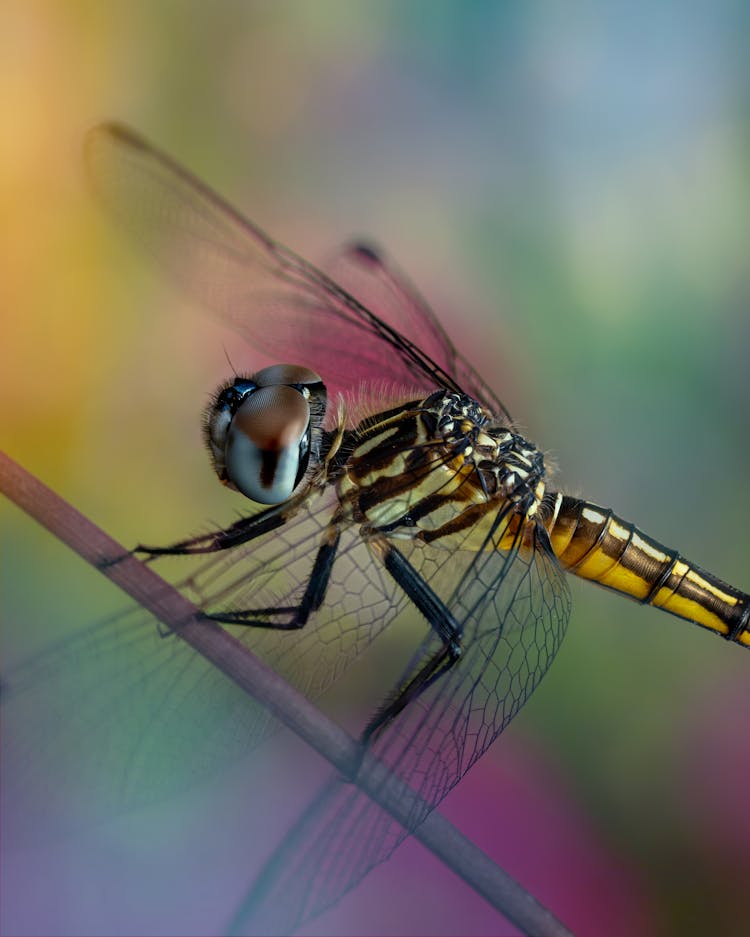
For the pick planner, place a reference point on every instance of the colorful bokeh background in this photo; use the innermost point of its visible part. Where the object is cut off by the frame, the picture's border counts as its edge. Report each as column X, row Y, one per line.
column 570, row 186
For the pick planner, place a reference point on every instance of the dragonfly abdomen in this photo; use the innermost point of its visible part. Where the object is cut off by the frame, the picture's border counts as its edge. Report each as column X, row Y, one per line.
column 594, row 543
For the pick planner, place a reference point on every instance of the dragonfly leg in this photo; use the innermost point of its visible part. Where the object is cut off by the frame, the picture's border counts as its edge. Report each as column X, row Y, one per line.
column 440, row 619
column 242, row 531
column 435, row 667
column 292, row 617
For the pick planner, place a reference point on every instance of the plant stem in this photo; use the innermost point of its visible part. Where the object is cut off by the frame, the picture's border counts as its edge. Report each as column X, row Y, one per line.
column 171, row 608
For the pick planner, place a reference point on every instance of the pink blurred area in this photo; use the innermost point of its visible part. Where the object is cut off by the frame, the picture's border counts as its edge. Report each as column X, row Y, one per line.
column 175, row 868
column 519, row 810
column 716, row 760
column 714, row 767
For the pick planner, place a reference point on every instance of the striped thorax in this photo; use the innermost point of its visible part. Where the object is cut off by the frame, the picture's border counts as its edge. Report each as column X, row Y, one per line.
column 431, row 468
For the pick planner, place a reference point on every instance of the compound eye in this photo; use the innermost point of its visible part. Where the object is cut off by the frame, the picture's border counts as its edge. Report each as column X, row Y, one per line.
column 293, row 374
column 268, row 443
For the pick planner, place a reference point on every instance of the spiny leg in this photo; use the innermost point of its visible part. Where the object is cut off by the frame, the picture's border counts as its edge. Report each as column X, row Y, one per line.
column 242, row 531
column 292, row 616
column 440, row 620
column 247, row 529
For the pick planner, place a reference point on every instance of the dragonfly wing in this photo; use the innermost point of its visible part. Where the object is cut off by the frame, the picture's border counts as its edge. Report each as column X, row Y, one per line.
column 514, row 609
column 118, row 716
column 283, row 305
column 369, row 274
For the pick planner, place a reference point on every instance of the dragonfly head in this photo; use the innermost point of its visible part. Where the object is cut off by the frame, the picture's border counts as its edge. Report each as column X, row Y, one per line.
column 261, row 430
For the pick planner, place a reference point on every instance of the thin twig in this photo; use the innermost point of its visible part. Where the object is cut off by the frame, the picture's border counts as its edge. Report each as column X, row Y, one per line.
column 159, row 598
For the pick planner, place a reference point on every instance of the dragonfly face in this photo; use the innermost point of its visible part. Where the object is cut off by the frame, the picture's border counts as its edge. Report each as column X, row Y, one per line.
column 401, row 484
column 262, row 430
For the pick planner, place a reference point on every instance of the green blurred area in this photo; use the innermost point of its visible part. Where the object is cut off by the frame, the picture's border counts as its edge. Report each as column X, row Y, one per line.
column 568, row 187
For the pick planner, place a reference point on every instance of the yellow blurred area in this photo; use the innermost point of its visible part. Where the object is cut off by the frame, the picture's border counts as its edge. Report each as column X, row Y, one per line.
column 54, row 285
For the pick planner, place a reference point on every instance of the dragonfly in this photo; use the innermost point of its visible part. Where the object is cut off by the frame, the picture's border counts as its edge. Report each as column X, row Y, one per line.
column 388, row 482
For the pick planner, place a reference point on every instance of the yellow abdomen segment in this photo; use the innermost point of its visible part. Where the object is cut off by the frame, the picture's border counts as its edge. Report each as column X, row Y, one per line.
column 594, row 543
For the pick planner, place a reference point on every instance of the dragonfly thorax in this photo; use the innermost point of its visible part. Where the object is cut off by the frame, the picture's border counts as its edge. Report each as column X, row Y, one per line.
column 426, row 470
column 505, row 464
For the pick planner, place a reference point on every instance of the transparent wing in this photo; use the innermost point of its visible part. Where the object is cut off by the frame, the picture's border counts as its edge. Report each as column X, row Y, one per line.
column 282, row 305
column 118, row 716
column 514, row 607
column 369, row 274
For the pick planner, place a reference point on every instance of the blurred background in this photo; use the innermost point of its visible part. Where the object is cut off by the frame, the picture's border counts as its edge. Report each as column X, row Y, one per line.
column 569, row 186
